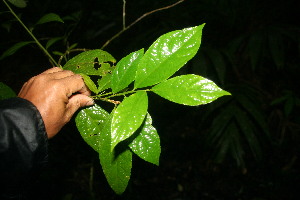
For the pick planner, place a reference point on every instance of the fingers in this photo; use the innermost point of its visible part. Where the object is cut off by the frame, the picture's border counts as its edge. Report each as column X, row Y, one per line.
column 75, row 84
column 52, row 70
column 77, row 101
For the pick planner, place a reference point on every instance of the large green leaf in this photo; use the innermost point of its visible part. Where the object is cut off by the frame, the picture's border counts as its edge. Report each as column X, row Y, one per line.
column 125, row 71
column 167, row 55
column 88, row 122
column 85, row 62
column 189, row 90
column 116, row 165
column 6, row 92
column 147, row 144
column 128, row 117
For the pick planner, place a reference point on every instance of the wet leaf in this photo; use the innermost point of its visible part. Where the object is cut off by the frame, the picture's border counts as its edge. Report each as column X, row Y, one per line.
column 6, row 92
column 125, row 71
column 89, row 122
column 147, row 144
column 104, row 83
column 85, row 62
column 116, row 165
column 189, row 90
column 89, row 83
column 167, row 55
column 128, row 117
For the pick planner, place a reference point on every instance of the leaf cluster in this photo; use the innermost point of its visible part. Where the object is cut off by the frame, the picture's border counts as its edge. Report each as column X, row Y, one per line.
column 128, row 127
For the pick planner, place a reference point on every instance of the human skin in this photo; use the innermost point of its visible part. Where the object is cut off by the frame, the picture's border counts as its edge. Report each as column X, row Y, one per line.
column 57, row 94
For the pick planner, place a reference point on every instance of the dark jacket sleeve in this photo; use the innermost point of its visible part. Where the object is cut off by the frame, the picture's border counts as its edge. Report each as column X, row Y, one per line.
column 23, row 147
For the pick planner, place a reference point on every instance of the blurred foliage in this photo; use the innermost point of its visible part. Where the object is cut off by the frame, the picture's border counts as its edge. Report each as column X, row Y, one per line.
column 242, row 147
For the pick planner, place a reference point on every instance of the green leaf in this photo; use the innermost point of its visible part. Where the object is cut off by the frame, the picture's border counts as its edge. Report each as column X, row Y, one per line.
column 104, row 83
column 255, row 48
column 125, row 71
column 50, row 17
column 128, row 117
column 276, row 47
column 89, row 83
column 85, row 62
column 147, row 144
column 18, row 3
column 14, row 49
column 189, row 90
column 6, row 92
column 167, row 55
column 53, row 41
column 88, row 122
column 116, row 165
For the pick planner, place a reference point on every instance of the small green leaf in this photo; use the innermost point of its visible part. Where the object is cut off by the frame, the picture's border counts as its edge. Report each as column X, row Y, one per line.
column 147, row 144
column 125, row 71
column 88, row 122
column 189, row 90
column 255, row 48
column 58, row 53
column 167, row 55
column 14, row 49
column 116, row 165
column 85, row 62
column 50, row 17
column 89, row 83
column 53, row 41
column 6, row 92
column 128, row 117
column 104, row 83
column 18, row 3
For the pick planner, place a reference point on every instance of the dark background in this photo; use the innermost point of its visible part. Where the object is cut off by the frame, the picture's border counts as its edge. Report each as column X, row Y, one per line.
column 244, row 146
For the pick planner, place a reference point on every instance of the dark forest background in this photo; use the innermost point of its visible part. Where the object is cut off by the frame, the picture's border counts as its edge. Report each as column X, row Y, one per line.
column 245, row 146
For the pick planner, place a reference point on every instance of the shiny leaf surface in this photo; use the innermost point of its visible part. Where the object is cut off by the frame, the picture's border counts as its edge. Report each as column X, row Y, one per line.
column 85, row 62
column 189, row 90
column 104, row 83
column 89, row 83
column 167, row 55
column 88, row 122
column 147, row 144
column 116, row 165
column 128, row 117
column 125, row 71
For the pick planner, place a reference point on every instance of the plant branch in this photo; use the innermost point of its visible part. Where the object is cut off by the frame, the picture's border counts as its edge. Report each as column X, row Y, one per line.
column 124, row 14
column 125, row 28
column 30, row 33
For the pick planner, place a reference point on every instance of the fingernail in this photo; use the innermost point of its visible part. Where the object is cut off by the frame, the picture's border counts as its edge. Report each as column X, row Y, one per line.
column 90, row 103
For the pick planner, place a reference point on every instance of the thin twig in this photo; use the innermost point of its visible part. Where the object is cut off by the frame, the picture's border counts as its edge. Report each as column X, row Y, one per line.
column 124, row 14
column 139, row 19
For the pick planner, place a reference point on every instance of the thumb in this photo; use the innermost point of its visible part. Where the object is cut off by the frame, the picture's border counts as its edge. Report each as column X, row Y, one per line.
column 77, row 101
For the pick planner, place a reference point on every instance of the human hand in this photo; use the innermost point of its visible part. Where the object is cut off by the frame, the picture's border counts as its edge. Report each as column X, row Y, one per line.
column 57, row 94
